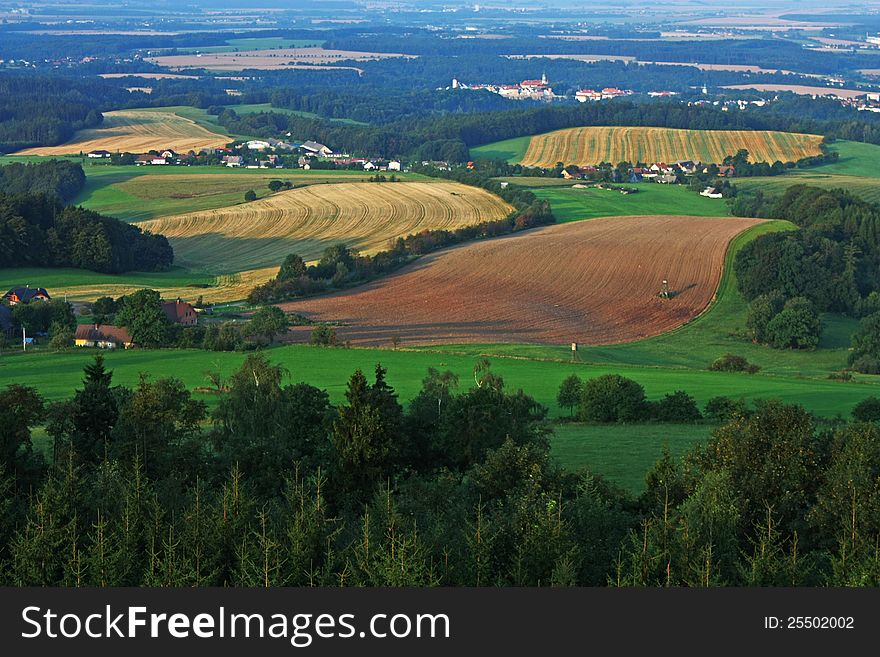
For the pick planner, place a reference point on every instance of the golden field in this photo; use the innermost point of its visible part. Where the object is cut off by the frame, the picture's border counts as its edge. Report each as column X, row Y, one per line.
column 593, row 145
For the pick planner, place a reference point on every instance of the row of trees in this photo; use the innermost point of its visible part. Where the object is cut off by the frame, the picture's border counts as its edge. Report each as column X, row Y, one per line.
column 282, row 488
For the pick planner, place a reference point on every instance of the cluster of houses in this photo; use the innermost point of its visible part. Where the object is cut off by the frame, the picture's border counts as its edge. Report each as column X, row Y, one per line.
column 584, row 95
column 108, row 336
column 659, row 172
column 525, row 90
column 541, row 90
column 257, row 154
column 101, row 336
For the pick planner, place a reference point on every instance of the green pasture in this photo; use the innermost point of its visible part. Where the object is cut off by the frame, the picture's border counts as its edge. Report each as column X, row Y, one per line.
column 622, row 453
column 571, row 204
column 51, row 278
column 510, row 150
column 57, row 375
column 257, row 108
column 865, row 187
column 855, row 159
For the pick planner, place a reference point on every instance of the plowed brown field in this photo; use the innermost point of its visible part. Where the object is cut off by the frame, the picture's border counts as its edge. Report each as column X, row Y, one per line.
column 592, row 145
column 592, row 282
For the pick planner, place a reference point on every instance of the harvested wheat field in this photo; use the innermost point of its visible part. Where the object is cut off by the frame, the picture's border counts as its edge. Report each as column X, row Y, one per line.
column 365, row 216
column 137, row 131
column 802, row 90
column 592, row 282
column 592, row 145
column 275, row 59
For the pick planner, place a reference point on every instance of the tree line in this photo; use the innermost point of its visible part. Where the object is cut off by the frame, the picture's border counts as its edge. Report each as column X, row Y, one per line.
column 277, row 486
column 831, row 264
column 60, row 178
column 39, row 231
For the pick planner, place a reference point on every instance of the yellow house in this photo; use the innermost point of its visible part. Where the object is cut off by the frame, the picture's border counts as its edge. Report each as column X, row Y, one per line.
column 102, row 337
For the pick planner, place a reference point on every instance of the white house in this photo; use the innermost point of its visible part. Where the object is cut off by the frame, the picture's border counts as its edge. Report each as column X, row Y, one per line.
column 98, row 154
column 369, row 166
column 258, row 145
column 711, row 192
column 394, row 165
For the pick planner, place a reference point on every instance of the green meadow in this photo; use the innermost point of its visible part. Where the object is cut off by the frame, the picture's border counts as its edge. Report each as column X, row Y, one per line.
column 257, row 108
column 570, row 204
column 57, row 375
column 623, row 453
column 510, row 150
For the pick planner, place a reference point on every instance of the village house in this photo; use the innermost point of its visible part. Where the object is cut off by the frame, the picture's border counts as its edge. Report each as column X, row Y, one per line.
column 258, row 145
column 143, row 160
column 26, row 294
column 98, row 154
column 369, row 166
column 583, row 95
column 394, row 165
column 233, row 160
column 102, row 336
column 180, row 312
column 711, row 192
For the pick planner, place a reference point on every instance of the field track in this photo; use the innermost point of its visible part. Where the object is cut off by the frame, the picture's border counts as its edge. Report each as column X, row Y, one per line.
column 137, row 131
column 308, row 220
column 593, row 282
column 593, row 145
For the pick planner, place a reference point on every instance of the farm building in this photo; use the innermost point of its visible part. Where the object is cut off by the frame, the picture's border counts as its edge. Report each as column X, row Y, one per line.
column 26, row 294
column 98, row 154
column 316, row 148
column 180, row 312
column 102, row 336
column 711, row 192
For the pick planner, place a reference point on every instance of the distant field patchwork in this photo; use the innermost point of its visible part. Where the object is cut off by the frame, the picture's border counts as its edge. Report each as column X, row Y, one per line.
column 307, row 220
column 138, row 131
column 592, row 145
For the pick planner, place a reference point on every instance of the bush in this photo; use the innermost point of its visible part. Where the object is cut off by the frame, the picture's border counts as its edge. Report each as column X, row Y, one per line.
column 867, row 365
column 324, row 335
column 612, row 398
column 733, row 363
column 724, row 409
column 250, row 195
column 867, row 410
column 866, row 343
column 677, row 407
